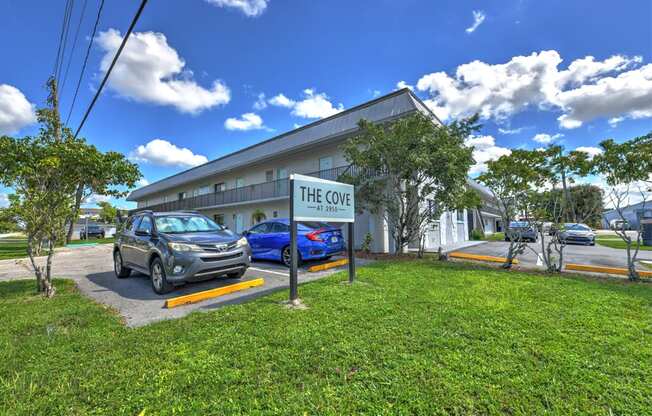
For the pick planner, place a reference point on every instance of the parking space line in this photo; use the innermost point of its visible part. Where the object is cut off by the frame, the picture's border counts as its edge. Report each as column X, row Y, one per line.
column 269, row 271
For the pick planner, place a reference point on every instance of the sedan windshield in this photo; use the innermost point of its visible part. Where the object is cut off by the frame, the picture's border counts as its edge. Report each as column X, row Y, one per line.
column 577, row 227
column 175, row 224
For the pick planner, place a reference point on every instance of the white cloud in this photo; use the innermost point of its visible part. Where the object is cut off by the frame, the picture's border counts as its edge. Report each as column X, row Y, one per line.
column 545, row 138
column 484, row 150
column 590, row 150
column 281, row 100
column 163, row 153
column 94, row 199
column 478, row 18
column 510, row 131
column 151, row 71
column 260, row 103
column 627, row 95
column 251, row 8
column 615, row 121
column 142, row 182
column 588, row 89
column 15, row 111
column 375, row 93
column 313, row 105
column 4, row 200
column 402, row 84
column 248, row 121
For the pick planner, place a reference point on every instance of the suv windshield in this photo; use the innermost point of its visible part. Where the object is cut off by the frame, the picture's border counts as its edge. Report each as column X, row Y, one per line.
column 186, row 224
column 93, row 228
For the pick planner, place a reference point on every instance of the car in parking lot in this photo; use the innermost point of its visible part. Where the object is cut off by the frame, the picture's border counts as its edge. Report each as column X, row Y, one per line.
column 178, row 247
column 270, row 240
column 92, row 231
column 521, row 230
column 574, row 233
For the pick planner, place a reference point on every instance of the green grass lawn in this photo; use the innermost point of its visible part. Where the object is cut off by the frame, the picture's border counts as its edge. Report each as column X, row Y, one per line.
column 495, row 237
column 16, row 248
column 410, row 338
column 616, row 242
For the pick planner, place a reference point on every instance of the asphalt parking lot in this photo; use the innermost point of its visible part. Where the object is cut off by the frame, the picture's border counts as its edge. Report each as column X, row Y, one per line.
column 133, row 298
column 592, row 255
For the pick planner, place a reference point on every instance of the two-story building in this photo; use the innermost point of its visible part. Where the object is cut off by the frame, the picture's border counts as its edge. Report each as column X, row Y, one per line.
column 244, row 187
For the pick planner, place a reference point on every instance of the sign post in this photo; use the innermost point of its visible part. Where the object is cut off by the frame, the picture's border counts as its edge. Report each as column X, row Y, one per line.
column 314, row 199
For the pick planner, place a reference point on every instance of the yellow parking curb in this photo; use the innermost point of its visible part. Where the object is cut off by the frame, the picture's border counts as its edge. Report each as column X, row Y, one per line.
column 602, row 269
column 326, row 266
column 212, row 293
column 469, row 256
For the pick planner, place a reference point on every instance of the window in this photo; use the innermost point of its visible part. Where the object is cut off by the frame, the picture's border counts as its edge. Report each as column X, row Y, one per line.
column 185, row 224
column 275, row 214
column 220, row 187
column 130, row 222
column 281, row 173
column 219, row 219
column 325, row 163
column 269, row 176
column 182, row 195
column 460, row 215
column 239, row 182
column 145, row 225
column 204, row 190
column 277, row 227
column 260, row 229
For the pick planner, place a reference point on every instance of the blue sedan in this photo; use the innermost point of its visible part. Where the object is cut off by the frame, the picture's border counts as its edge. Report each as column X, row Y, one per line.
column 270, row 240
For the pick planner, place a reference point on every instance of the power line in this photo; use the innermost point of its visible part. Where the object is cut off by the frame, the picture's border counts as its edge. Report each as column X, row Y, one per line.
column 74, row 45
column 115, row 58
column 88, row 51
column 65, row 40
column 63, row 28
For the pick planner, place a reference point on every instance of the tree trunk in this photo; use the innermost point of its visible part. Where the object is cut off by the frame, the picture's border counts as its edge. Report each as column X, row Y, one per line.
column 48, row 287
column 79, row 194
column 567, row 196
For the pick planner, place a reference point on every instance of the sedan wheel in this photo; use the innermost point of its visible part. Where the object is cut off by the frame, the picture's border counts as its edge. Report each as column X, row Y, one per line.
column 287, row 258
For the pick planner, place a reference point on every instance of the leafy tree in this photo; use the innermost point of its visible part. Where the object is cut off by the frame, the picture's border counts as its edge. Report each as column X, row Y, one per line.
column 37, row 169
column 588, row 202
column 565, row 166
column 8, row 222
column 626, row 167
column 99, row 173
column 403, row 165
column 513, row 179
column 108, row 212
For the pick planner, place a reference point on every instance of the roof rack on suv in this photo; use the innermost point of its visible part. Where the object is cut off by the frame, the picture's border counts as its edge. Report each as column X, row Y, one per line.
column 190, row 211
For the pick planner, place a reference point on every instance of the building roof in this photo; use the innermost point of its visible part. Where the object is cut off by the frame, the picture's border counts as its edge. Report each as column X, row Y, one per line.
column 387, row 107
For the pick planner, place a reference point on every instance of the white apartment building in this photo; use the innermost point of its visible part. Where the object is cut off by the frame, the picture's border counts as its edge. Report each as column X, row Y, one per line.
column 239, row 189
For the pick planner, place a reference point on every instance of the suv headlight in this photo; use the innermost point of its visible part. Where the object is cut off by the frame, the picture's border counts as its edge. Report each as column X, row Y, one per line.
column 183, row 247
column 242, row 242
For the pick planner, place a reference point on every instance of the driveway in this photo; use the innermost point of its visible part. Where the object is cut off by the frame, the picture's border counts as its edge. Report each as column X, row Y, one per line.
column 593, row 255
column 92, row 269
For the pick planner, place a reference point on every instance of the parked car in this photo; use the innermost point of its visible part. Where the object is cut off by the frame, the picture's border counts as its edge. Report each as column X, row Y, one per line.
column 270, row 240
column 521, row 230
column 577, row 233
column 178, row 247
column 94, row 231
column 619, row 225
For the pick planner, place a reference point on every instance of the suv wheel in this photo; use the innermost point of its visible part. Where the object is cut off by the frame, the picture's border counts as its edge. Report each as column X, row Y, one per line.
column 160, row 283
column 120, row 270
column 286, row 258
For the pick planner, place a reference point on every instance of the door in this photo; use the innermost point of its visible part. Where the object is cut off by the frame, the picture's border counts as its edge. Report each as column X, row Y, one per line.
column 143, row 242
column 278, row 239
column 256, row 237
column 128, row 239
column 325, row 166
column 239, row 223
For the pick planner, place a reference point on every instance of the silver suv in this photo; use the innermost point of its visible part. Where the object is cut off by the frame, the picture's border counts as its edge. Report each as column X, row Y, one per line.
column 178, row 247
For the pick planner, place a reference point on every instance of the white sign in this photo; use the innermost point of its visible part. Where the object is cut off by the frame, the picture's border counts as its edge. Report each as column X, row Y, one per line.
column 317, row 199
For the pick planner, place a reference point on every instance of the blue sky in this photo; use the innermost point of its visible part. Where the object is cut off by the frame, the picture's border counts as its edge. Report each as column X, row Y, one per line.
column 573, row 72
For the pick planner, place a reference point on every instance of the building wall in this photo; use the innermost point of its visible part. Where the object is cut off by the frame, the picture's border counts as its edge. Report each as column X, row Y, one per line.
column 306, row 161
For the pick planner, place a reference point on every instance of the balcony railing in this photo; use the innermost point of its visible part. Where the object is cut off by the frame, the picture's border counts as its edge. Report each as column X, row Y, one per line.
column 256, row 192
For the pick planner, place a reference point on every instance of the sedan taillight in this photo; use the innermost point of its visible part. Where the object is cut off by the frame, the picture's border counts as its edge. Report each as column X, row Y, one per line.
column 314, row 235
